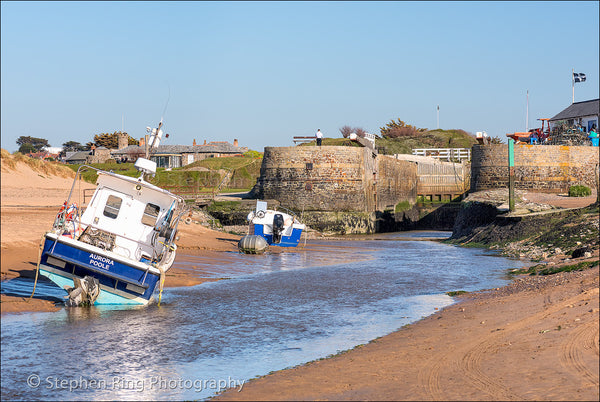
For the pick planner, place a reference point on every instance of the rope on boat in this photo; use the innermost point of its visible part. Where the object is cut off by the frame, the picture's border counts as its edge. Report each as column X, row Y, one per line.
column 162, row 282
column 37, row 268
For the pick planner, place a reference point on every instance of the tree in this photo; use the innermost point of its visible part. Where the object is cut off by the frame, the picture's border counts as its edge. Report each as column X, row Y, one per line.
column 37, row 144
column 347, row 130
column 111, row 140
column 73, row 146
column 395, row 129
column 27, row 148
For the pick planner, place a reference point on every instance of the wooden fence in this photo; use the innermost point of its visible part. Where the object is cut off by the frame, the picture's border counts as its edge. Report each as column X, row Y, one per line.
column 439, row 182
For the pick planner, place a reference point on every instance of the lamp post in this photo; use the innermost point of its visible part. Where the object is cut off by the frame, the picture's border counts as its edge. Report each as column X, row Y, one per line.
column 511, row 175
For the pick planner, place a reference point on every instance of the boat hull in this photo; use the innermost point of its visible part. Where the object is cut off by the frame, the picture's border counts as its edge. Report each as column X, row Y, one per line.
column 120, row 282
column 286, row 241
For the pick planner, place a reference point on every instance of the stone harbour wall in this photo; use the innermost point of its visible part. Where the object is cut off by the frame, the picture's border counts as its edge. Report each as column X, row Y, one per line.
column 335, row 179
column 545, row 168
column 324, row 178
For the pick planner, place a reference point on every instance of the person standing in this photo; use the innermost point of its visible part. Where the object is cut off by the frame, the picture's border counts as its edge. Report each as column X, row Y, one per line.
column 593, row 135
column 319, row 136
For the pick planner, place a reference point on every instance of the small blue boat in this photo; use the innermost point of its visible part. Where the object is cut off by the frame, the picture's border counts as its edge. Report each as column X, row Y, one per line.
column 119, row 249
column 277, row 227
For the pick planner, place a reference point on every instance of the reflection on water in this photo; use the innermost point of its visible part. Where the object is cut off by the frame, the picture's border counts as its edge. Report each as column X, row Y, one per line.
column 277, row 311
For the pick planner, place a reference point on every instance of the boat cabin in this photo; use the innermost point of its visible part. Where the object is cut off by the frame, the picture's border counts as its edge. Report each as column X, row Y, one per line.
column 125, row 215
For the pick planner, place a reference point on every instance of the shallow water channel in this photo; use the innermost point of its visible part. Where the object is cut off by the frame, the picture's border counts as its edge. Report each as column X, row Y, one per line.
column 275, row 311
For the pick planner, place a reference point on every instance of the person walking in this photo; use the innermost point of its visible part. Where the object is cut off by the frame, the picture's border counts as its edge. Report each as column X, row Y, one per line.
column 319, row 136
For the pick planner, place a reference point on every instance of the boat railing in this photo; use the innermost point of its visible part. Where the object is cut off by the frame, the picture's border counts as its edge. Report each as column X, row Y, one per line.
column 80, row 170
column 83, row 228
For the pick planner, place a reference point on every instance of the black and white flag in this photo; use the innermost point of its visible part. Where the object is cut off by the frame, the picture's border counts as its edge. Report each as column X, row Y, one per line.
column 578, row 77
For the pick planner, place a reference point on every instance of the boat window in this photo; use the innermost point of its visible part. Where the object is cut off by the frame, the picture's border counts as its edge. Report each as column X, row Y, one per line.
column 150, row 214
column 113, row 204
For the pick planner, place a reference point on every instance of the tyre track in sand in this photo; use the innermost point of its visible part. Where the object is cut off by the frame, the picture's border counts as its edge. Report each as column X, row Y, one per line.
column 582, row 340
column 467, row 359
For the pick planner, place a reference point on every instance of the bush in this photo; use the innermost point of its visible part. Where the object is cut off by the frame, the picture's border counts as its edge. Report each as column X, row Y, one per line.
column 253, row 154
column 402, row 206
column 579, row 191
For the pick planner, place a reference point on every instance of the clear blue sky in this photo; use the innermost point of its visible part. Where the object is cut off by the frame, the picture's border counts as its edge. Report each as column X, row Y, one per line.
column 263, row 72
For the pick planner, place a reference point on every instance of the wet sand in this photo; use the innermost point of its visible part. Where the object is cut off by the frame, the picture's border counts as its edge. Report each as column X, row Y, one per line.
column 536, row 339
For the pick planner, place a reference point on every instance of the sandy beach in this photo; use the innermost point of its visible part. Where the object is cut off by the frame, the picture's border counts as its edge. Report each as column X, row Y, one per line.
column 535, row 339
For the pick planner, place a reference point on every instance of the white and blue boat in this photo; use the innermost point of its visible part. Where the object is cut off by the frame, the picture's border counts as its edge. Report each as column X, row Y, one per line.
column 278, row 228
column 119, row 249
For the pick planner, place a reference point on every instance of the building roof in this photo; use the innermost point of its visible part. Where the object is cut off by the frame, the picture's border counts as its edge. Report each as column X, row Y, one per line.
column 213, row 147
column 130, row 149
column 579, row 109
column 42, row 155
column 75, row 156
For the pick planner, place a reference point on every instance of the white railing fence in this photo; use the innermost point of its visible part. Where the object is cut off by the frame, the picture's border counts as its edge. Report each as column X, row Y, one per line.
column 444, row 153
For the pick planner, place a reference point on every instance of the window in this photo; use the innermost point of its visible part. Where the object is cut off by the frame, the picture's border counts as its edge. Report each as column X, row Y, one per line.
column 150, row 214
column 113, row 204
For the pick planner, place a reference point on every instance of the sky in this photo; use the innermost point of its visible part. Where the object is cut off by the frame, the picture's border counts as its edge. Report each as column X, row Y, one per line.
column 264, row 72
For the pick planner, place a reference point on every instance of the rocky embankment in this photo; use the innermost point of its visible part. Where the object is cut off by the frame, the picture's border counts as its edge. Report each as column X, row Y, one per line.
column 534, row 231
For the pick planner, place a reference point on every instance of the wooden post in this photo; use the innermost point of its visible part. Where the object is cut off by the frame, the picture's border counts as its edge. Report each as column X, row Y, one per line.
column 511, row 174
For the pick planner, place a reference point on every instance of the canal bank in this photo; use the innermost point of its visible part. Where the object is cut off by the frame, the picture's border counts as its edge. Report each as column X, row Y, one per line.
column 534, row 339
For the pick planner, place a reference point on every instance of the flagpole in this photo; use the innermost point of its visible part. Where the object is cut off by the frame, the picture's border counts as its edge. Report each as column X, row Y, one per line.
column 527, row 114
column 573, row 84
column 438, row 117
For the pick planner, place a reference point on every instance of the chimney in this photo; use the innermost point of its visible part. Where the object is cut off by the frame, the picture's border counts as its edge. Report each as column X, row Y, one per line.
column 235, row 143
column 194, row 143
column 204, row 142
column 142, row 142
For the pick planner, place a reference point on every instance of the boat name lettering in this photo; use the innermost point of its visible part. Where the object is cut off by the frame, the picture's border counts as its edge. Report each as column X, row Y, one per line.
column 100, row 261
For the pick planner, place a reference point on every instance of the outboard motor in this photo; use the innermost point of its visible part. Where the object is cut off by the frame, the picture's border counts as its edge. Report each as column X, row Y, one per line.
column 277, row 228
column 84, row 293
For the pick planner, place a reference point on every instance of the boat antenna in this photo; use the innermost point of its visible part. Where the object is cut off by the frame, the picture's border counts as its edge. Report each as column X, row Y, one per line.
column 166, row 103
column 156, row 133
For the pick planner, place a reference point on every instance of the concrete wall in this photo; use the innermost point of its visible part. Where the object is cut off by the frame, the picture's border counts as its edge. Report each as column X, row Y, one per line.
column 546, row 168
column 335, row 178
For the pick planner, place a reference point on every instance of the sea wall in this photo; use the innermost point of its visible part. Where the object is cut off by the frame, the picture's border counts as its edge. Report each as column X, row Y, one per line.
column 335, row 179
column 546, row 168
column 316, row 178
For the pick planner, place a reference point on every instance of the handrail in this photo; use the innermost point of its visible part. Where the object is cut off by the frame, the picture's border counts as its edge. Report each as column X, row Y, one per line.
column 303, row 139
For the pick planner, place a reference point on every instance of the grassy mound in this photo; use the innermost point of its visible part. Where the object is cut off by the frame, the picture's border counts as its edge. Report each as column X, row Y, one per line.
column 427, row 139
column 48, row 168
